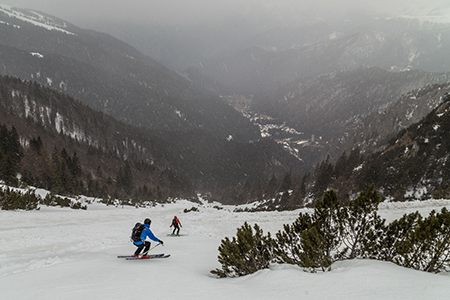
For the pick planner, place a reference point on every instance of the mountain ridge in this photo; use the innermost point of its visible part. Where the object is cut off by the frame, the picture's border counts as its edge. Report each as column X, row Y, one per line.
column 103, row 145
column 112, row 77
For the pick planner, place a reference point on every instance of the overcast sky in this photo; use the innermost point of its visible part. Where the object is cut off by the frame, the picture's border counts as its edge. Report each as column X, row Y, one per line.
column 198, row 11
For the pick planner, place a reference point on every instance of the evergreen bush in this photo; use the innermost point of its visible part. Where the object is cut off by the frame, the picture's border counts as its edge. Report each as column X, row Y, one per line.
column 245, row 254
column 423, row 243
column 336, row 232
column 11, row 200
column 288, row 246
column 359, row 224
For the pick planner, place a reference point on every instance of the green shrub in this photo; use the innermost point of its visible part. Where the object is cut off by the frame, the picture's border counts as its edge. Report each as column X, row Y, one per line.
column 246, row 254
column 11, row 200
column 193, row 208
column 288, row 245
column 315, row 250
column 337, row 232
column 359, row 224
column 423, row 243
column 54, row 200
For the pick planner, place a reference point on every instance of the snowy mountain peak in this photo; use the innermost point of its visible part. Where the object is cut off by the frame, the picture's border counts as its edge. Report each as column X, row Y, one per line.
column 33, row 17
column 425, row 13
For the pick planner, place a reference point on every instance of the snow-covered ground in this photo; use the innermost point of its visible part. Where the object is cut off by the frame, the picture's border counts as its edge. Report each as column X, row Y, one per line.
column 57, row 253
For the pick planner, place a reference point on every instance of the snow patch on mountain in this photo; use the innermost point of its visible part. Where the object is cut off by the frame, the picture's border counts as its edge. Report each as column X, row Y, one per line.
column 36, row 54
column 8, row 24
column 34, row 18
column 425, row 13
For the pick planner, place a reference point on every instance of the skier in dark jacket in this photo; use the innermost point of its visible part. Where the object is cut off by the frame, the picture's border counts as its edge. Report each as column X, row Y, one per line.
column 142, row 243
column 176, row 225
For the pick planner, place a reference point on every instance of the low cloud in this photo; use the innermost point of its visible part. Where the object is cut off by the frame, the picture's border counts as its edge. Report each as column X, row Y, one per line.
column 185, row 12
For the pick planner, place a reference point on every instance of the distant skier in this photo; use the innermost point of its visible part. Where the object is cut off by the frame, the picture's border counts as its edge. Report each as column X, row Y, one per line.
column 141, row 243
column 176, row 226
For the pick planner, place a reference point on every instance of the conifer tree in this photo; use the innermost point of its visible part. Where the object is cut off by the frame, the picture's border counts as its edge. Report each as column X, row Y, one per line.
column 10, row 155
column 286, row 183
column 324, row 174
column 125, row 179
column 341, row 166
column 271, row 187
column 7, row 169
column 36, row 165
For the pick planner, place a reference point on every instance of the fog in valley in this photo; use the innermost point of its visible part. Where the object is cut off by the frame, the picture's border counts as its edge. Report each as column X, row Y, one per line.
column 305, row 74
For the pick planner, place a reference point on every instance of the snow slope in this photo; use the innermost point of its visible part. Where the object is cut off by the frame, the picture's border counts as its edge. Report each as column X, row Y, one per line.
column 32, row 17
column 66, row 254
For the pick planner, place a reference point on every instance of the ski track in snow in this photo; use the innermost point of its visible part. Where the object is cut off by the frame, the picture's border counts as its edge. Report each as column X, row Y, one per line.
column 59, row 253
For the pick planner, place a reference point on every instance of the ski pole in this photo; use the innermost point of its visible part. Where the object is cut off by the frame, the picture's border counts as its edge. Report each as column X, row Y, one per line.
column 154, row 246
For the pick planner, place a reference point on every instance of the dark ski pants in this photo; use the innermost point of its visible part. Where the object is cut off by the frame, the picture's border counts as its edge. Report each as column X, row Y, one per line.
column 176, row 228
column 145, row 246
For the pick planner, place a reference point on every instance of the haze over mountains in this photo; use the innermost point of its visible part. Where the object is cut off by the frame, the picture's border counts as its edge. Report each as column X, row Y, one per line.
column 205, row 136
column 244, row 97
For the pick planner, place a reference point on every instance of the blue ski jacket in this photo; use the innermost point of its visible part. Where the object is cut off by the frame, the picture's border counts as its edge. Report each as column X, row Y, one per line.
column 146, row 233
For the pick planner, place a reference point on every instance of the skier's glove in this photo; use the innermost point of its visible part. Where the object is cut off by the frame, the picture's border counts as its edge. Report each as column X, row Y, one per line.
column 161, row 242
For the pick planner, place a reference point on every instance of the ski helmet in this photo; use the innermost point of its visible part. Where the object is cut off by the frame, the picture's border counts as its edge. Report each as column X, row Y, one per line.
column 147, row 221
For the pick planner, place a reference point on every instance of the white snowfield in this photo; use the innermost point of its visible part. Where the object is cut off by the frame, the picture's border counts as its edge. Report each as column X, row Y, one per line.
column 33, row 18
column 68, row 254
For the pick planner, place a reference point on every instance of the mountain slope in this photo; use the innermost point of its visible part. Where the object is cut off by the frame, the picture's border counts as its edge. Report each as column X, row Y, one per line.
column 112, row 77
column 411, row 165
column 326, row 103
column 370, row 133
column 109, row 75
column 390, row 45
column 328, row 109
column 415, row 163
column 102, row 144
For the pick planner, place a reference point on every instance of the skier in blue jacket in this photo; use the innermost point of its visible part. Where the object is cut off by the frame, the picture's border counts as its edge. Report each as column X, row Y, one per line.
column 143, row 243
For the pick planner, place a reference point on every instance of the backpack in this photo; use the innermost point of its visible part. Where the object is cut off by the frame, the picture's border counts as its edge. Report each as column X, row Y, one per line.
column 136, row 232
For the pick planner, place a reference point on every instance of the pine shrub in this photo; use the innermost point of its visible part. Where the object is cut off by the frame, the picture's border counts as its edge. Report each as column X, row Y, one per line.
column 359, row 224
column 336, row 232
column 288, row 246
column 245, row 254
column 11, row 200
column 425, row 244
column 315, row 250
column 312, row 241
